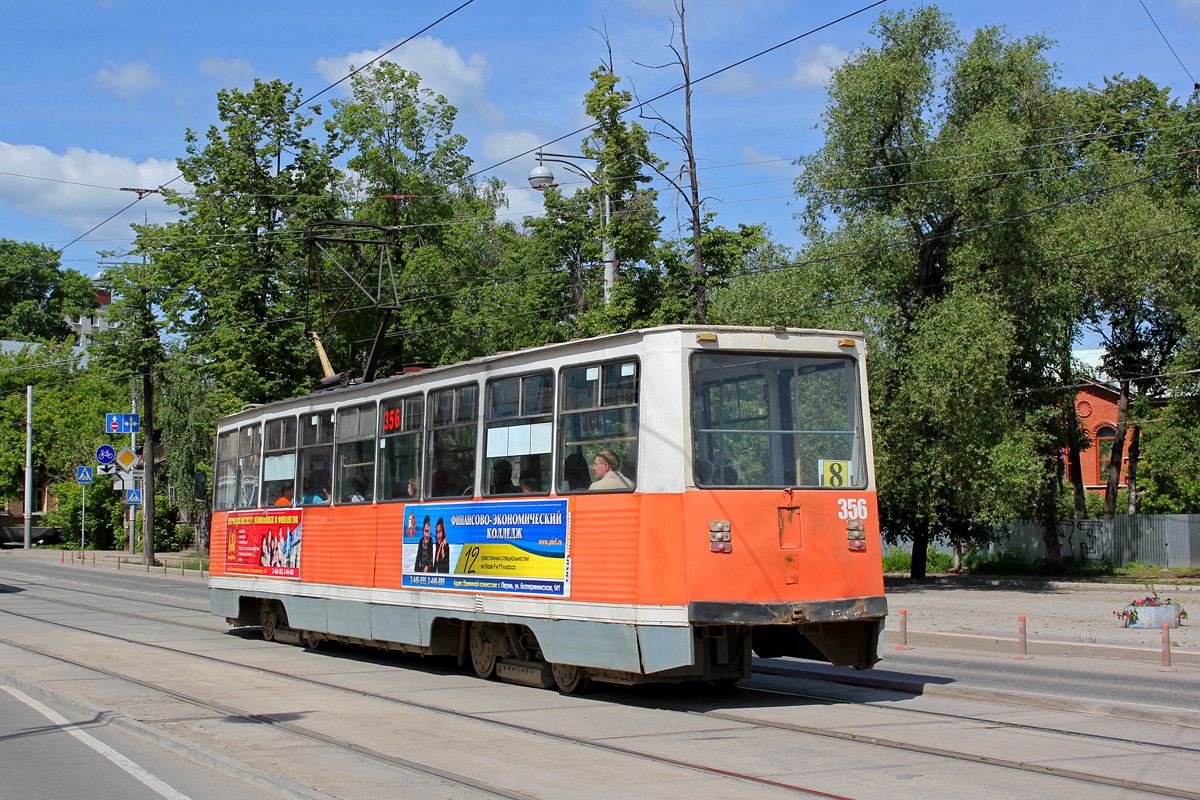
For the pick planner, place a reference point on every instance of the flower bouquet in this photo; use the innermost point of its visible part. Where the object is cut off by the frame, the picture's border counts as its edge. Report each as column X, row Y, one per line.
column 1151, row 612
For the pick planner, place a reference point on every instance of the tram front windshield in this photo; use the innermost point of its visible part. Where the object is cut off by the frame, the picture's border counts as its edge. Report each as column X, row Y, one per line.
column 769, row 420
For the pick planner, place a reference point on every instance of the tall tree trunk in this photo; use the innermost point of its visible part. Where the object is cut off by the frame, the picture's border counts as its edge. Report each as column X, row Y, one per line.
column 1135, row 451
column 689, row 149
column 1118, row 452
column 1050, row 516
column 920, row 547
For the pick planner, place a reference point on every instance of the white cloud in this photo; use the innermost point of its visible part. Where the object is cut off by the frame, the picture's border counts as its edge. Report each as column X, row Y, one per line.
column 128, row 81
column 776, row 166
column 813, row 67
column 228, row 71
column 738, row 81
column 523, row 200
column 441, row 68
column 52, row 189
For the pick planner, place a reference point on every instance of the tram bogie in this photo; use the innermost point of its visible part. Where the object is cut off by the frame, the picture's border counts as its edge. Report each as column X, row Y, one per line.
column 657, row 505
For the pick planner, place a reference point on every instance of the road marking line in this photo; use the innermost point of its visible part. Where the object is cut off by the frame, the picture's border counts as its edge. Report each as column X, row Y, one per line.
column 100, row 747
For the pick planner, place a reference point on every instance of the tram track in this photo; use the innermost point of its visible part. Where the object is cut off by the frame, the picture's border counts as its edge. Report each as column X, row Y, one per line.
column 827, row 733
column 310, row 735
column 889, row 709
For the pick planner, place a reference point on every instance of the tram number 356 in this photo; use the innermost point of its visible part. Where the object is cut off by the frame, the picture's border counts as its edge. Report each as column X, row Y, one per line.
column 852, row 508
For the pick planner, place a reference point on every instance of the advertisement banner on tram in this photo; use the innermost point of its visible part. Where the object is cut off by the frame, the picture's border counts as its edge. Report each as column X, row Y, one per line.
column 264, row 543
column 511, row 547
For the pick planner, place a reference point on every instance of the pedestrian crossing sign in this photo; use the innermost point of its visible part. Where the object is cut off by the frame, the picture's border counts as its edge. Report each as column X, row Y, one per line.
column 83, row 474
column 133, row 497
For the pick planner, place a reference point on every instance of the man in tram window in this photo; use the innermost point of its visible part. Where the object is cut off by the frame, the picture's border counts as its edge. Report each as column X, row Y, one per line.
column 441, row 556
column 284, row 499
column 607, row 467
column 424, row 562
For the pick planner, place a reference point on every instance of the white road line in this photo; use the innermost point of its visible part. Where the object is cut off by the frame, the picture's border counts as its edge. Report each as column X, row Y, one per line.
column 100, row 747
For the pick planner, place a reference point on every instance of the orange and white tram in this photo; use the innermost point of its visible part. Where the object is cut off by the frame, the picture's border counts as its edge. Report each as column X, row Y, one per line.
column 649, row 505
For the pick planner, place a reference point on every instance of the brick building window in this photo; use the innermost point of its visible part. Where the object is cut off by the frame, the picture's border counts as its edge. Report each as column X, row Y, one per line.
column 1105, row 438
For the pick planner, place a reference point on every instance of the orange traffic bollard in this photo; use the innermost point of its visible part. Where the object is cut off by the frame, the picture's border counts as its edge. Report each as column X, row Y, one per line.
column 1166, row 647
column 903, row 630
column 1021, row 649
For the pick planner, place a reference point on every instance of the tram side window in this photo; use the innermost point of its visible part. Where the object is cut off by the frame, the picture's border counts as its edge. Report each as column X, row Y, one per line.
column 279, row 462
column 519, row 435
column 249, row 453
column 400, row 422
column 453, row 415
column 316, row 457
column 776, row 420
column 598, row 427
column 225, row 492
column 355, row 480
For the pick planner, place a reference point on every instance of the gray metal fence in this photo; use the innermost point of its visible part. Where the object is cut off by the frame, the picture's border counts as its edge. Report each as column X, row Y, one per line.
column 1160, row 540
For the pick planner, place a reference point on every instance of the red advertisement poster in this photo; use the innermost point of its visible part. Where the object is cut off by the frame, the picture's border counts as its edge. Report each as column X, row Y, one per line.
column 264, row 543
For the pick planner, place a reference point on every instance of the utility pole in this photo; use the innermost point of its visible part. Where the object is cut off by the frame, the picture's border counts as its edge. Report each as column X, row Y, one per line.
column 150, row 440
column 28, row 467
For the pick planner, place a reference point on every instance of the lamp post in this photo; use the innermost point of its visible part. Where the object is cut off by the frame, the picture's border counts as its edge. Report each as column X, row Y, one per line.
column 541, row 178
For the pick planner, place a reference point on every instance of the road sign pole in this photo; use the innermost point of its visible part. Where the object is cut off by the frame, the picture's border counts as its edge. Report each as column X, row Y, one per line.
column 83, row 520
column 28, row 467
column 132, row 446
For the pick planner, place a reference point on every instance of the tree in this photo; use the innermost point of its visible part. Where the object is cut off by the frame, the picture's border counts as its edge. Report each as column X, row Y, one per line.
column 571, row 234
column 228, row 276
column 38, row 295
column 917, row 213
column 1139, row 272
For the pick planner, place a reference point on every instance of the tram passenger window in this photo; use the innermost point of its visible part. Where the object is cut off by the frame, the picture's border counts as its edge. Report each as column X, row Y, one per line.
column 598, row 427
column 776, row 420
column 249, row 453
column 279, row 462
column 400, row 422
column 355, row 478
column 316, row 457
column 452, row 431
column 519, row 435
column 225, row 485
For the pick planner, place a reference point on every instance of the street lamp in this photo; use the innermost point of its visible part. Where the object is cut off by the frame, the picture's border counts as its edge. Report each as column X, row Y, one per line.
column 541, row 178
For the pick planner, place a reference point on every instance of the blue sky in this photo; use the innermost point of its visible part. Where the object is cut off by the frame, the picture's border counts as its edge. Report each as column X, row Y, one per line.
column 100, row 93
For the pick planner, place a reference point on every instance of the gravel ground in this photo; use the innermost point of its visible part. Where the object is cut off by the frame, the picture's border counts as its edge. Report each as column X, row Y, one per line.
column 1062, row 612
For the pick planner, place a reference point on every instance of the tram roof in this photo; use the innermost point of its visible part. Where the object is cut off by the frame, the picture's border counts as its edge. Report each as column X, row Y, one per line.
column 604, row 340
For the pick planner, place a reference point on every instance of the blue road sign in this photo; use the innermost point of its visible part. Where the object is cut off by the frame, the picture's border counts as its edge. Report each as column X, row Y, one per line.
column 133, row 497
column 105, row 454
column 83, row 474
column 123, row 423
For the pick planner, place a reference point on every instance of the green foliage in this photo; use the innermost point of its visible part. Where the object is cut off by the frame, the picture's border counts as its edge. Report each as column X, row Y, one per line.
column 104, row 514
column 38, row 295
column 896, row 560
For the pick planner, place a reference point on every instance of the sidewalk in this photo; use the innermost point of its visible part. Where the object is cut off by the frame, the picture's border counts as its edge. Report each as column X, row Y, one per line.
column 1061, row 618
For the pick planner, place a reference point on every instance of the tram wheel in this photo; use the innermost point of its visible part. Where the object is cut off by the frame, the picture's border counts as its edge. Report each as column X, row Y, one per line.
column 268, row 617
column 483, row 651
column 569, row 678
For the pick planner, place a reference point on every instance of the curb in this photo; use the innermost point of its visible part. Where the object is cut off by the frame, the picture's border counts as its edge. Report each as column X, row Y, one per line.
column 179, row 746
column 996, row 644
column 1162, row 716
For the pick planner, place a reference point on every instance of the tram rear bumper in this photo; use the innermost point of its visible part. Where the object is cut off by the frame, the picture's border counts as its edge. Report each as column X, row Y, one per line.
column 845, row 609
